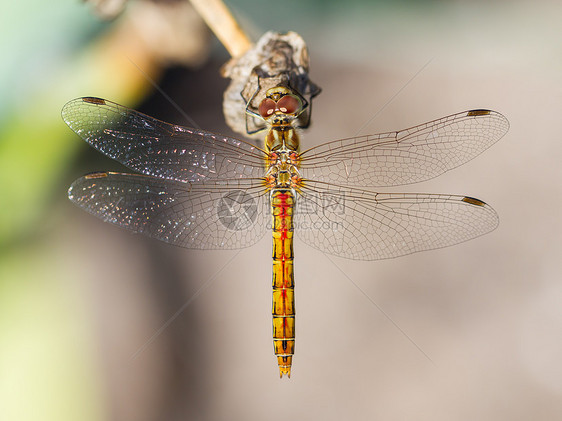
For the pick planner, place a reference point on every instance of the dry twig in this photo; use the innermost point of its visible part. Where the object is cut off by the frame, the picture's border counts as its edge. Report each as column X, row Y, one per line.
column 222, row 23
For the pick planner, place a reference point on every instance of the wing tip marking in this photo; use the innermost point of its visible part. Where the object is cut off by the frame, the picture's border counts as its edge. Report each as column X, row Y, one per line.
column 93, row 100
column 478, row 112
column 94, row 175
column 473, row 201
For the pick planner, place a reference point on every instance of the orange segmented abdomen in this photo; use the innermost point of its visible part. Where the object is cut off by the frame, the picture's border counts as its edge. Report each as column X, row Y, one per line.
column 282, row 205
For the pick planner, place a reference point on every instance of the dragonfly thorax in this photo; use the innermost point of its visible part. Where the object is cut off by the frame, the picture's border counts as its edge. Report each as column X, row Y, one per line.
column 283, row 137
column 283, row 169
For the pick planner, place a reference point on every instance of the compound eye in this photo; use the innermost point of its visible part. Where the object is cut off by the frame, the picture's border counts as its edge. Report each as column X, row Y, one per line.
column 289, row 104
column 267, row 107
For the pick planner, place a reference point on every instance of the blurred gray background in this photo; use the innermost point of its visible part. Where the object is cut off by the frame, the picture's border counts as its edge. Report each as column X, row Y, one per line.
column 467, row 332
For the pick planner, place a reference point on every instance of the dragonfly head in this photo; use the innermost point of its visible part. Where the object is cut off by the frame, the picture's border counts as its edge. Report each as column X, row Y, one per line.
column 280, row 106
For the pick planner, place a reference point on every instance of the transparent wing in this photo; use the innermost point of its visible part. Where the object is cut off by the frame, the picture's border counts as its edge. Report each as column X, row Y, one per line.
column 365, row 225
column 153, row 147
column 215, row 216
column 406, row 156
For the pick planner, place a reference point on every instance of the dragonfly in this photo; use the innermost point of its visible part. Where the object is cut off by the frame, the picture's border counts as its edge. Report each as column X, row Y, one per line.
column 200, row 190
